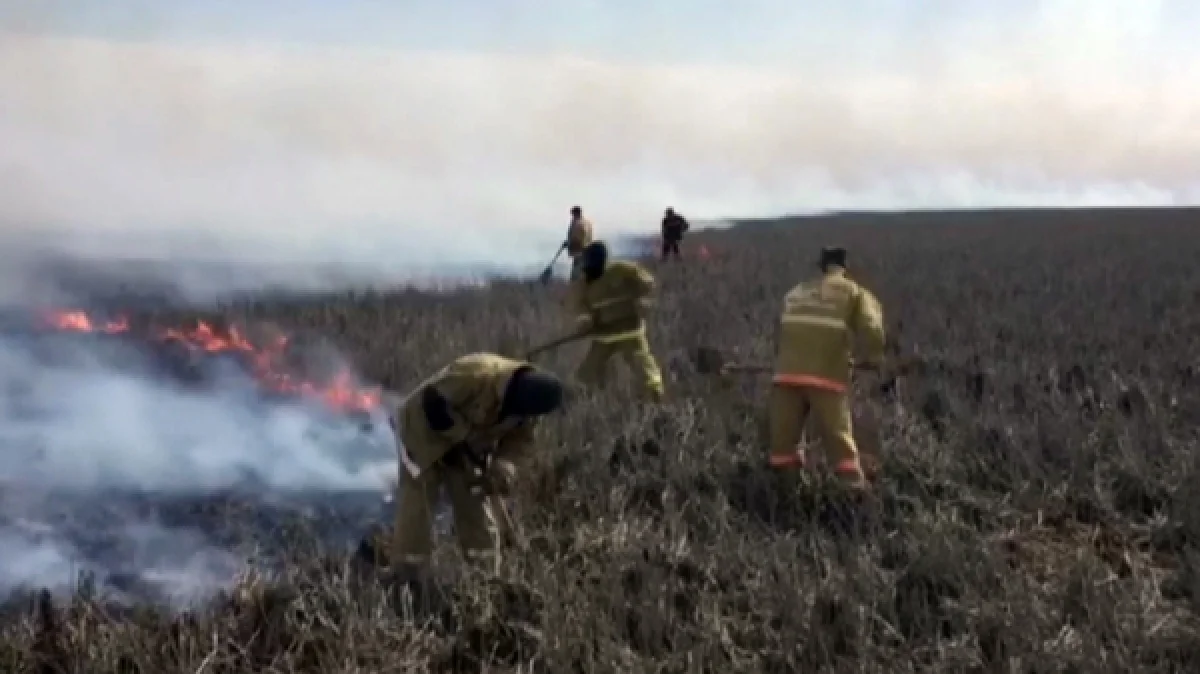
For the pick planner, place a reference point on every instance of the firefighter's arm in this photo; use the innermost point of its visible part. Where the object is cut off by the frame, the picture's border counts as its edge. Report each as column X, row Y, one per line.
column 515, row 445
column 867, row 321
column 511, row 450
column 438, row 404
column 569, row 239
column 576, row 234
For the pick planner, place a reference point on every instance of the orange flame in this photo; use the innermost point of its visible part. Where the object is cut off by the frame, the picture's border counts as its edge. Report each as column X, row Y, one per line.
column 266, row 363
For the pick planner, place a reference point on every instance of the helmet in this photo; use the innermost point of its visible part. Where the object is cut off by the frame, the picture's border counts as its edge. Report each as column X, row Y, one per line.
column 531, row 392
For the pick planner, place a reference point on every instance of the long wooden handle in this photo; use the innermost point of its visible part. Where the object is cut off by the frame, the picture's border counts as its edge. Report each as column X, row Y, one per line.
column 557, row 342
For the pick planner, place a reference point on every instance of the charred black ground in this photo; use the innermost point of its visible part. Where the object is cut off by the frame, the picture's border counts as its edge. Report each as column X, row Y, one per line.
column 1036, row 511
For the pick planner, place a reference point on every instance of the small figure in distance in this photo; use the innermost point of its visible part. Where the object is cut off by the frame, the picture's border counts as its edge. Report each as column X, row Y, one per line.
column 674, row 226
column 580, row 234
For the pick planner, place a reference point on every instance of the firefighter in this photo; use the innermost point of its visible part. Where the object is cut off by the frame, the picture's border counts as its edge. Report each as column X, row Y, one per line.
column 812, row 371
column 674, row 226
column 611, row 299
column 579, row 235
column 464, row 429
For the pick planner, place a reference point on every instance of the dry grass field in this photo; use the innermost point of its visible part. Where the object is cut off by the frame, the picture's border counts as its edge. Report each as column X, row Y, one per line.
column 1037, row 509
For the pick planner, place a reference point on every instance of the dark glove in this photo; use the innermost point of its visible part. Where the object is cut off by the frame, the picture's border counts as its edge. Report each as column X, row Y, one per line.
column 501, row 477
column 463, row 457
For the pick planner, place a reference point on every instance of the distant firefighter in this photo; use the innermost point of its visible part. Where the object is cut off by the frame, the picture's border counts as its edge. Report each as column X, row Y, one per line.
column 812, row 370
column 674, row 226
column 463, row 429
column 579, row 236
column 612, row 298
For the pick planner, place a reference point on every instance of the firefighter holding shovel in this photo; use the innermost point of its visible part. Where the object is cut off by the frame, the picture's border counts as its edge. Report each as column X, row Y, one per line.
column 610, row 302
column 579, row 236
column 813, row 365
column 464, row 429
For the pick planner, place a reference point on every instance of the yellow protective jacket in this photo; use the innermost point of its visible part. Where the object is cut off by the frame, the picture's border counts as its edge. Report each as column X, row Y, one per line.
column 473, row 386
column 610, row 302
column 579, row 235
column 820, row 319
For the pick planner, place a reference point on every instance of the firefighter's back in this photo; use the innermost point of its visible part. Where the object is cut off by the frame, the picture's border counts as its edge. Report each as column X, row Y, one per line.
column 815, row 338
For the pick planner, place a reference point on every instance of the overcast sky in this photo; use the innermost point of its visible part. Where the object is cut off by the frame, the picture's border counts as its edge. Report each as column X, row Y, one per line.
column 367, row 129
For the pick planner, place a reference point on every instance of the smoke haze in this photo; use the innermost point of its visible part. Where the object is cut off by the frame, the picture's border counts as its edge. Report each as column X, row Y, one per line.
column 381, row 162
column 94, row 441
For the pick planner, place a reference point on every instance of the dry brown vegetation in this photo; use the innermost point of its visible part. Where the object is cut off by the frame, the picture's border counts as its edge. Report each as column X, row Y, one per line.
column 1036, row 511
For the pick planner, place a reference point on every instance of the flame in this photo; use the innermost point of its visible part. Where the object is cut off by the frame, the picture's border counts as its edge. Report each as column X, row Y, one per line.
column 78, row 321
column 266, row 363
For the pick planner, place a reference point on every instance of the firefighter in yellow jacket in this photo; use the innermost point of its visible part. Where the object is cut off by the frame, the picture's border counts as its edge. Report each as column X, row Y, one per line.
column 611, row 299
column 579, row 236
column 463, row 429
column 812, row 372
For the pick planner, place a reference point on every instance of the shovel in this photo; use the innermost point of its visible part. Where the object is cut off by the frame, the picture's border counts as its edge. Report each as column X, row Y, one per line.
column 548, row 273
column 710, row 361
column 565, row 339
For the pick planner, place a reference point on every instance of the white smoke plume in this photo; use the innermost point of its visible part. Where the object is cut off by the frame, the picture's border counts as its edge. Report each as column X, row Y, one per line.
column 312, row 165
column 95, row 443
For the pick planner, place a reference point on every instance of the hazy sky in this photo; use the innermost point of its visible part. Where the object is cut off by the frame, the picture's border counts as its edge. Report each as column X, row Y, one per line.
column 367, row 130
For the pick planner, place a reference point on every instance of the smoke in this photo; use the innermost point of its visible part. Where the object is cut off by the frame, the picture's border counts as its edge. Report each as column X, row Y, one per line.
column 324, row 165
column 108, row 467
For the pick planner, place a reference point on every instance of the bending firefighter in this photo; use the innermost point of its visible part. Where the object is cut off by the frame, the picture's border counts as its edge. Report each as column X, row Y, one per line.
column 463, row 429
column 611, row 300
column 579, row 235
column 674, row 226
column 812, row 371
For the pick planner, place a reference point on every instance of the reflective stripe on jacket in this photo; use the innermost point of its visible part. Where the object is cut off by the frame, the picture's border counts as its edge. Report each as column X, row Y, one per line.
column 819, row 322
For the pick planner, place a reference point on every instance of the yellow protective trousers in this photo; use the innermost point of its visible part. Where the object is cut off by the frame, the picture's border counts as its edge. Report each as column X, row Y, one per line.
column 793, row 407
column 635, row 351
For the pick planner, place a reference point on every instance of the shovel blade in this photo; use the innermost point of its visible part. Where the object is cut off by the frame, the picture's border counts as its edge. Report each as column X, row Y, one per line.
column 707, row 360
column 547, row 274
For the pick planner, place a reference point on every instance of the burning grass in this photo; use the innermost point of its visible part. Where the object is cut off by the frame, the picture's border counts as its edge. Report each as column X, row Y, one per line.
column 1035, row 511
column 261, row 350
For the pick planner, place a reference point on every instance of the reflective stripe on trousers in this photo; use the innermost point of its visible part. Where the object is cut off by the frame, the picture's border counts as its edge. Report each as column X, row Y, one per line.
column 809, row 380
column 799, row 460
column 620, row 336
